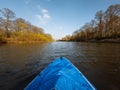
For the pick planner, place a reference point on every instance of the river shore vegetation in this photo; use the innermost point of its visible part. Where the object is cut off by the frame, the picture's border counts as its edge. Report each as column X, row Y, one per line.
column 104, row 27
column 18, row 30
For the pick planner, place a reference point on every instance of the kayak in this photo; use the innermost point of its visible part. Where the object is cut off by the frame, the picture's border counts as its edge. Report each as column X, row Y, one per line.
column 61, row 74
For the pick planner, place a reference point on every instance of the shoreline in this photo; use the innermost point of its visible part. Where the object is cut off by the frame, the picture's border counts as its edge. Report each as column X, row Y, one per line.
column 96, row 41
column 105, row 41
column 37, row 42
column 23, row 42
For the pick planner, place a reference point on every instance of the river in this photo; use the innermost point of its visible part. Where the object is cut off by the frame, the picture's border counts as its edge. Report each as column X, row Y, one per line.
column 99, row 62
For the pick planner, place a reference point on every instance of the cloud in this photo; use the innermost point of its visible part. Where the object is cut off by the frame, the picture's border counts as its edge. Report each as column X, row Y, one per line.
column 44, row 10
column 48, row 0
column 27, row 1
column 44, row 16
column 43, row 19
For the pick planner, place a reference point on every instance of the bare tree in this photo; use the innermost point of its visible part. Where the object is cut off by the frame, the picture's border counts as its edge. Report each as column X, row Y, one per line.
column 7, row 15
column 112, row 17
column 99, row 16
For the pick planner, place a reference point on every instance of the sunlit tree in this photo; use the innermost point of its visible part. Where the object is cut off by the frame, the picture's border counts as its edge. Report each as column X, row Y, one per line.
column 105, row 25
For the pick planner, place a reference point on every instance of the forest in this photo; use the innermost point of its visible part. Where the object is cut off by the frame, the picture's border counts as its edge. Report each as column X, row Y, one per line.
column 105, row 26
column 18, row 30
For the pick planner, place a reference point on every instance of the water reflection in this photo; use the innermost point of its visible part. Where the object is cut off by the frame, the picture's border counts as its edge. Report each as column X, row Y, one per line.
column 100, row 62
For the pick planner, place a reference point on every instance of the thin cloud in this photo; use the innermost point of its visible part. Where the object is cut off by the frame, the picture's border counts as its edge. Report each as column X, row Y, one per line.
column 27, row 1
column 44, row 17
column 41, row 19
column 48, row 0
column 44, row 10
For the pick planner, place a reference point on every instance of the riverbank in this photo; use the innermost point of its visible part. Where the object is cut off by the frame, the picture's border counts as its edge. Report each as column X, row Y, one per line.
column 26, row 39
column 106, row 41
column 97, row 41
column 23, row 42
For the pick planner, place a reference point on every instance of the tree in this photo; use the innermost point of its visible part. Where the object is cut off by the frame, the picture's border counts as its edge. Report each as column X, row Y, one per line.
column 112, row 17
column 2, row 23
column 105, row 25
column 99, row 17
column 20, row 25
column 7, row 15
column 37, row 30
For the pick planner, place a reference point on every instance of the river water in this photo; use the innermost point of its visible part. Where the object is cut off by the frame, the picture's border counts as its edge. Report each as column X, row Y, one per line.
column 99, row 62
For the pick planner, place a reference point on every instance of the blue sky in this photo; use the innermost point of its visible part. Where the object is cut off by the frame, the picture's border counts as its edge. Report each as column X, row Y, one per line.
column 57, row 17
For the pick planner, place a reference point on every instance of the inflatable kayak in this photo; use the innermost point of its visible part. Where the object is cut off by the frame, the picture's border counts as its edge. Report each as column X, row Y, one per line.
column 61, row 74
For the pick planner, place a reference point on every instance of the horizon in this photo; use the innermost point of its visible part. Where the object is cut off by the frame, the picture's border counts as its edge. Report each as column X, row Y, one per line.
column 57, row 17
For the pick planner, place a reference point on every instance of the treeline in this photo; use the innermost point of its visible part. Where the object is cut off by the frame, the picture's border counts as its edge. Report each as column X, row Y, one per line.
column 105, row 25
column 18, row 30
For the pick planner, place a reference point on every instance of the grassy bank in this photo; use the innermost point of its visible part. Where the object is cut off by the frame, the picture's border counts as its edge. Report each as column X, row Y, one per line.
column 19, row 38
column 3, row 39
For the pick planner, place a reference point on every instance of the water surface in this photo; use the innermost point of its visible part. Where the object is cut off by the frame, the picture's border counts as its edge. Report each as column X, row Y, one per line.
column 99, row 62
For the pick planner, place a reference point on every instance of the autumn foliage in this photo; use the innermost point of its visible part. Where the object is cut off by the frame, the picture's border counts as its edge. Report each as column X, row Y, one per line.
column 18, row 30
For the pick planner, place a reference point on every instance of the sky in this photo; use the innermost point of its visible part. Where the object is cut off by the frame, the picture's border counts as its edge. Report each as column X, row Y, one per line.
column 57, row 17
